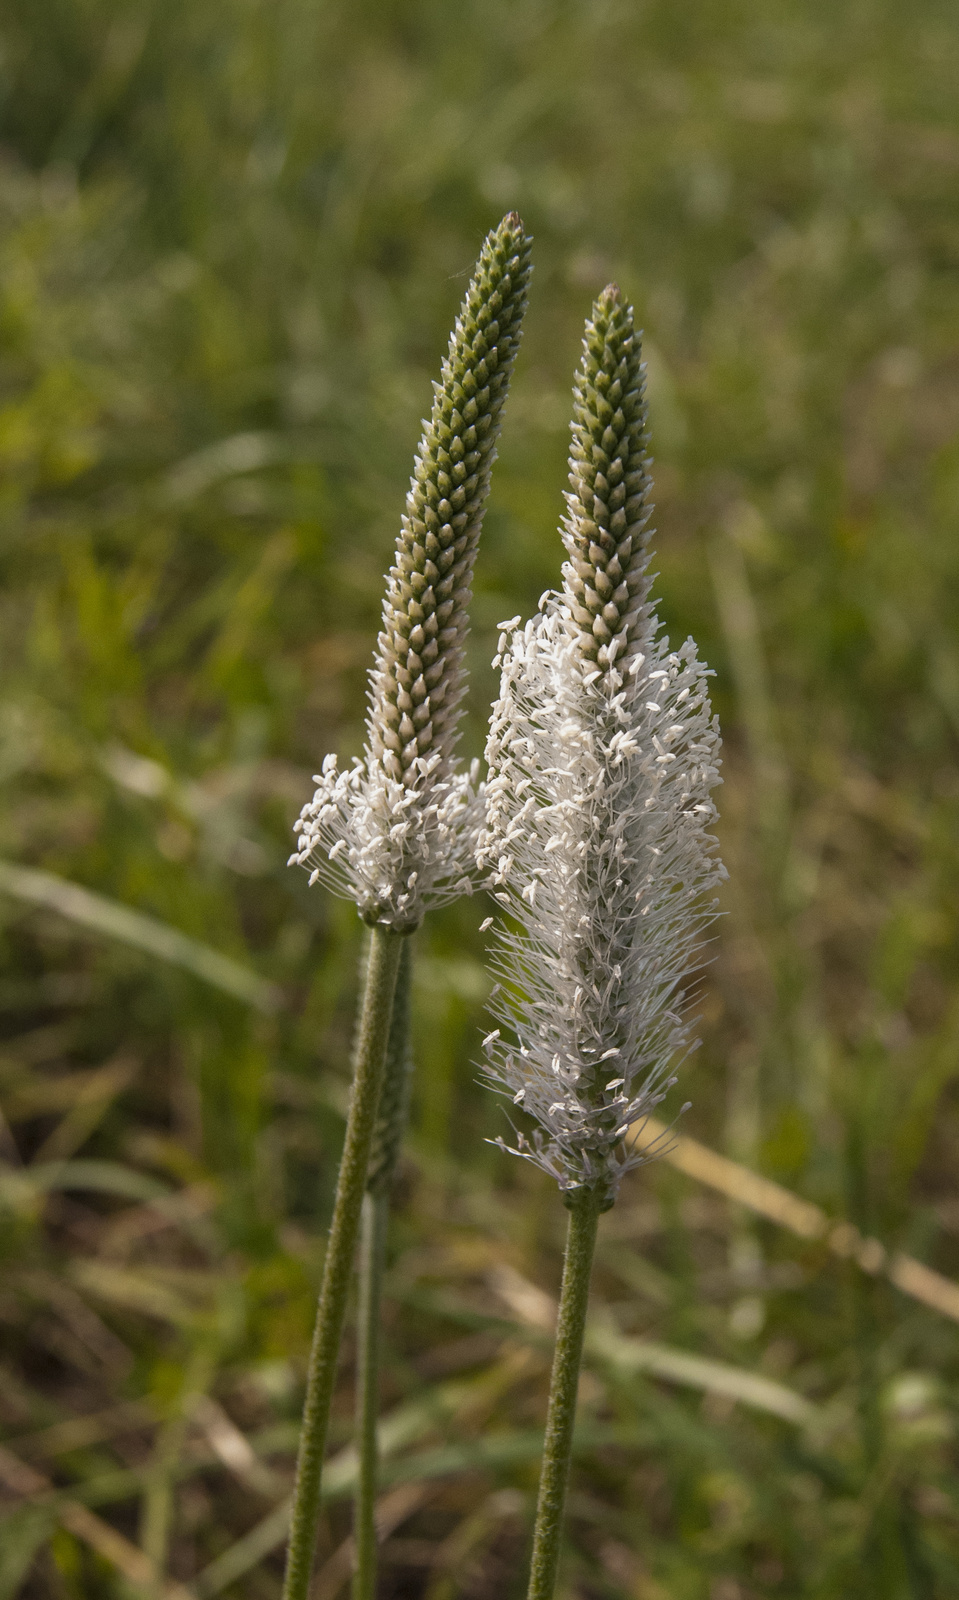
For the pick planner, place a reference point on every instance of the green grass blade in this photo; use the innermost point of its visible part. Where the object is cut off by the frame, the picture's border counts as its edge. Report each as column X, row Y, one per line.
column 115, row 921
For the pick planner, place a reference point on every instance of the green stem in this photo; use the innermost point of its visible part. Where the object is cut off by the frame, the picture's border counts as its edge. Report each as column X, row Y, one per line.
column 372, row 1261
column 584, row 1208
column 385, row 949
column 386, row 1147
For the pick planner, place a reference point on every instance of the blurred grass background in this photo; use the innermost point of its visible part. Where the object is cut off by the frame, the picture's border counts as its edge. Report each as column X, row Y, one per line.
column 234, row 236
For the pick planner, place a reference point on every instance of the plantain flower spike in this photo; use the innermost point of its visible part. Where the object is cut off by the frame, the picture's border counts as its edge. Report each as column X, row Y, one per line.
column 602, row 753
column 398, row 831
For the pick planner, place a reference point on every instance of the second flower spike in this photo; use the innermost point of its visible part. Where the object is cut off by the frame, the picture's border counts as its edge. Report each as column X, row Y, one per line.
column 397, row 833
column 602, row 754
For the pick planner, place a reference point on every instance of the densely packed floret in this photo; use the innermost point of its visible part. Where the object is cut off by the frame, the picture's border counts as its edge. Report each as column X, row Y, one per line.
column 602, row 753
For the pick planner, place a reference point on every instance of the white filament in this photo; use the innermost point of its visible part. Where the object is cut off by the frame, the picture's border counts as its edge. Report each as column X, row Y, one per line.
column 597, row 844
column 396, row 847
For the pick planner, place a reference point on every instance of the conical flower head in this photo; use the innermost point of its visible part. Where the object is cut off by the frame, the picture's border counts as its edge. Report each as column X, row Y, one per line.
column 606, row 583
column 603, row 752
column 417, row 683
column 398, row 832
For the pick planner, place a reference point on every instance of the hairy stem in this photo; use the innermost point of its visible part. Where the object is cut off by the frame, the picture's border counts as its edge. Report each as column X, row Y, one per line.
column 372, row 1261
column 390, row 1123
column 385, row 950
column 584, row 1207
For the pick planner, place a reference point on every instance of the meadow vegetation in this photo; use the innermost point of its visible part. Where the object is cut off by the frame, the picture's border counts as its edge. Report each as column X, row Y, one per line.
column 234, row 236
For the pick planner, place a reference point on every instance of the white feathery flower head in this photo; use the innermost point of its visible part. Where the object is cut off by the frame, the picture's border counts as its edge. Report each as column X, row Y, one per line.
column 395, row 847
column 602, row 754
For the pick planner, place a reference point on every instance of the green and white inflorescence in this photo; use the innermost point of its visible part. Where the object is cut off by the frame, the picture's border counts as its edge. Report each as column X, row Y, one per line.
column 398, row 831
column 602, row 753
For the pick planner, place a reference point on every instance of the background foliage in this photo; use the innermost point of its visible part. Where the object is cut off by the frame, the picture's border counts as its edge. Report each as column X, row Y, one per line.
column 234, row 236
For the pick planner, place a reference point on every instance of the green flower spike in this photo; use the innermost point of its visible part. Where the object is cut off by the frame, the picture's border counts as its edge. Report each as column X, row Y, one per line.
column 397, row 833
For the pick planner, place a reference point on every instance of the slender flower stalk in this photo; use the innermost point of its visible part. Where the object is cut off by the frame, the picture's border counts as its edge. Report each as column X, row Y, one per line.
column 564, row 1383
column 384, row 960
column 602, row 753
column 372, row 1264
column 390, row 1123
column 397, row 833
